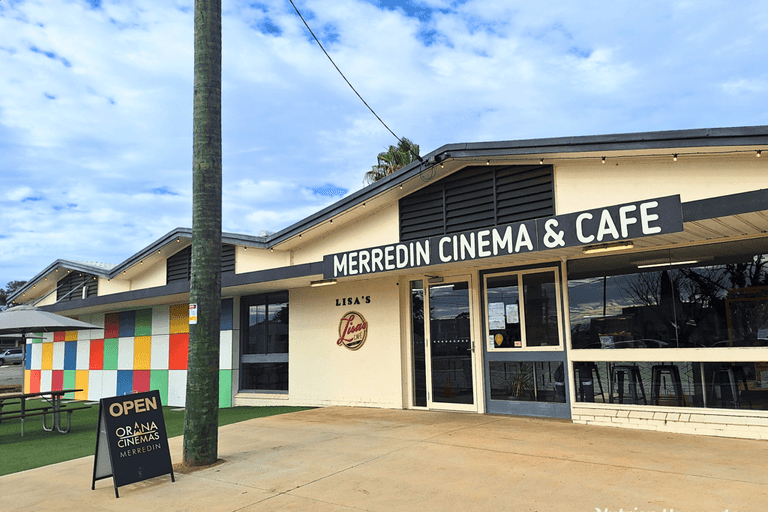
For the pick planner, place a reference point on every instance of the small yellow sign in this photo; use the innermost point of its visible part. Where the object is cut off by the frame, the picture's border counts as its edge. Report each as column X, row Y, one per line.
column 499, row 339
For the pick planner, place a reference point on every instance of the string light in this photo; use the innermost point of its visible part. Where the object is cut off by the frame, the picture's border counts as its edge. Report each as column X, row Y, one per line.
column 521, row 160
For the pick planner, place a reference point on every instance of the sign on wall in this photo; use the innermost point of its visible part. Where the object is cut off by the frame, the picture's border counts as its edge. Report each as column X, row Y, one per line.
column 131, row 442
column 353, row 330
column 599, row 226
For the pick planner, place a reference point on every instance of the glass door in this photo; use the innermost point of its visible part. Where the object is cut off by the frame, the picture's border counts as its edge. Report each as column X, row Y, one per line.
column 524, row 349
column 450, row 351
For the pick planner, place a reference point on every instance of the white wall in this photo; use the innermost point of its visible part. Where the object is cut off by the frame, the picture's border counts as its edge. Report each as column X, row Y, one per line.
column 321, row 372
column 379, row 228
column 582, row 185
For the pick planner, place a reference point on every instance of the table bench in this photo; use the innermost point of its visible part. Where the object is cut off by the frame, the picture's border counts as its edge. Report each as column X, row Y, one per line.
column 55, row 408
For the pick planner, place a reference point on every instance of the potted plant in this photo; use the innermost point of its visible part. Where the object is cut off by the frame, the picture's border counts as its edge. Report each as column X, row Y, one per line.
column 520, row 384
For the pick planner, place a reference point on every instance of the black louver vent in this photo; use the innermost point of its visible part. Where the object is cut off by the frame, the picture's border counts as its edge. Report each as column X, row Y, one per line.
column 179, row 265
column 478, row 197
column 227, row 258
column 71, row 287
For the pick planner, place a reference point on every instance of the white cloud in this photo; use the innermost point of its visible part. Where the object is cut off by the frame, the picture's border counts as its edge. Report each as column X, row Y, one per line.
column 96, row 104
column 18, row 194
column 742, row 86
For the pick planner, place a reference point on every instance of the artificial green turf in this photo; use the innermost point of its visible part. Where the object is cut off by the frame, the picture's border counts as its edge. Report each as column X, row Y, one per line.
column 39, row 448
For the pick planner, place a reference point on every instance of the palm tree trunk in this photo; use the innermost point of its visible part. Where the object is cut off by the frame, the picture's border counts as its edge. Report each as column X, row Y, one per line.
column 202, row 400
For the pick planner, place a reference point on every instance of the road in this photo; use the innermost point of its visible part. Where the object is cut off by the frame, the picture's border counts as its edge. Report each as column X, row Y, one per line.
column 11, row 375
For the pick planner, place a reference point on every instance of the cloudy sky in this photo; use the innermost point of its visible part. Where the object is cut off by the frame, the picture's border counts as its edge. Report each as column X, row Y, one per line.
column 96, row 100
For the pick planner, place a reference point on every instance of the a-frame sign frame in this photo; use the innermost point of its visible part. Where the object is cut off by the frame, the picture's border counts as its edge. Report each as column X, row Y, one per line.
column 131, row 441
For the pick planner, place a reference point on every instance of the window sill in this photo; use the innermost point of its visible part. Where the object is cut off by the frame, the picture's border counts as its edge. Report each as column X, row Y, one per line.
column 261, row 395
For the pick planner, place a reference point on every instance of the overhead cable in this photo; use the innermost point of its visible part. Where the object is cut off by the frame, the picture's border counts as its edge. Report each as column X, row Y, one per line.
column 351, row 86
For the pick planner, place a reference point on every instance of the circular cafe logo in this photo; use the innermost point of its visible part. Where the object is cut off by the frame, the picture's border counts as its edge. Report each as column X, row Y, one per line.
column 353, row 329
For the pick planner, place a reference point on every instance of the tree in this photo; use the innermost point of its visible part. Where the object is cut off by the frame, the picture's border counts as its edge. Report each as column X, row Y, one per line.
column 394, row 158
column 10, row 288
column 201, row 430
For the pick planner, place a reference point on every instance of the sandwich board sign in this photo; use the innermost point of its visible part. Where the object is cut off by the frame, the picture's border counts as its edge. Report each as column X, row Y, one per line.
column 131, row 441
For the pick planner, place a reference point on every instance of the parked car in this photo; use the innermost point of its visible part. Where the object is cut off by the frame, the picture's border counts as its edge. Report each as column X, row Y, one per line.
column 12, row 356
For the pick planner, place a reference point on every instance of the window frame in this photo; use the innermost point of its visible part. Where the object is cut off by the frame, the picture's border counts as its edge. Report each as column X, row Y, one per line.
column 261, row 299
column 490, row 345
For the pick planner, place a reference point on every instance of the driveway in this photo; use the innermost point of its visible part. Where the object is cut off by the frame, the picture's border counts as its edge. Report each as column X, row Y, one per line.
column 351, row 459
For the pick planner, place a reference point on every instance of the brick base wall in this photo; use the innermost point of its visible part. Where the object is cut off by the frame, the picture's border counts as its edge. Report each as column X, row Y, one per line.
column 744, row 424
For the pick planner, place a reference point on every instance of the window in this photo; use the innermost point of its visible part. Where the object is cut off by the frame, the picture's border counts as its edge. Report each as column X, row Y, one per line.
column 686, row 305
column 522, row 310
column 718, row 385
column 264, row 343
column 527, row 381
column 417, row 340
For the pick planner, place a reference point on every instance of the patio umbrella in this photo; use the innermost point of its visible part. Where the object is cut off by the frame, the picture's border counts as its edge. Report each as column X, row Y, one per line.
column 27, row 319
column 24, row 319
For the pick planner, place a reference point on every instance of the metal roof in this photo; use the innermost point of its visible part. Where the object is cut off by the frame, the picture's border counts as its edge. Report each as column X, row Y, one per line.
column 667, row 140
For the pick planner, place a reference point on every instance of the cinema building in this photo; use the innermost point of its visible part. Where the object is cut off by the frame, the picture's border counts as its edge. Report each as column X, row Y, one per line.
column 613, row 280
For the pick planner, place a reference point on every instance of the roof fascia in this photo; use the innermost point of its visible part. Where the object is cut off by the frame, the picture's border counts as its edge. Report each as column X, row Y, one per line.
column 713, row 207
column 229, row 238
column 146, row 251
column 671, row 139
column 228, row 279
column 71, row 265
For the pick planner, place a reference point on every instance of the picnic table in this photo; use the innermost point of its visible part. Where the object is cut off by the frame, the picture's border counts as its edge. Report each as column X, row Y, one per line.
column 55, row 407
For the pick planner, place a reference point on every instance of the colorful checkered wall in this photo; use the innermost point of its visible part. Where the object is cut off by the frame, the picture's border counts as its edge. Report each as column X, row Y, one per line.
column 137, row 350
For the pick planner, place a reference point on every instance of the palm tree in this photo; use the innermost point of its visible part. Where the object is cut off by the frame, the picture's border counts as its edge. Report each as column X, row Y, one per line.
column 201, row 417
column 394, row 158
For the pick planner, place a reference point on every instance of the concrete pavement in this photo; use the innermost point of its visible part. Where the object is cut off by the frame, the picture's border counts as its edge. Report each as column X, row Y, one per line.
column 11, row 375
column 348, row 459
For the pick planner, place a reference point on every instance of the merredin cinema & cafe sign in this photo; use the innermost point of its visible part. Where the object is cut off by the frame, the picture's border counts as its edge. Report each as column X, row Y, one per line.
column 599, row 226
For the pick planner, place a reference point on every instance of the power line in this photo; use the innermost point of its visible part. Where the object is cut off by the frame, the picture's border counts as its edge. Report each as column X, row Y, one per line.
column 350, row 85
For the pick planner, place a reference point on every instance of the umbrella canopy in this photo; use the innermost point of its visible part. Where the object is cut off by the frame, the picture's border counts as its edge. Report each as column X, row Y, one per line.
column 25, row 319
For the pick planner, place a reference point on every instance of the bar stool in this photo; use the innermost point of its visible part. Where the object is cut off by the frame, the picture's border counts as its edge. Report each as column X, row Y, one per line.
column 657, row 374
column 585, row 375
column 632, row 372
column 723, row 377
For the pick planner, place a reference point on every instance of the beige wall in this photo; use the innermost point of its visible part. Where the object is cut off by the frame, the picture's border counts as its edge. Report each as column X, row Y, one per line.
column 50, row 299
column 582, row 185
column 378, row 228
column 324, row 373
column 320, row 371
column 252, row 259
column 108, row 287
column 150, row 277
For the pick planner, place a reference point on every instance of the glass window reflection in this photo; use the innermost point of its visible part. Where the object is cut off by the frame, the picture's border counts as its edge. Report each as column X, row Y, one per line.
column 702, row 306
